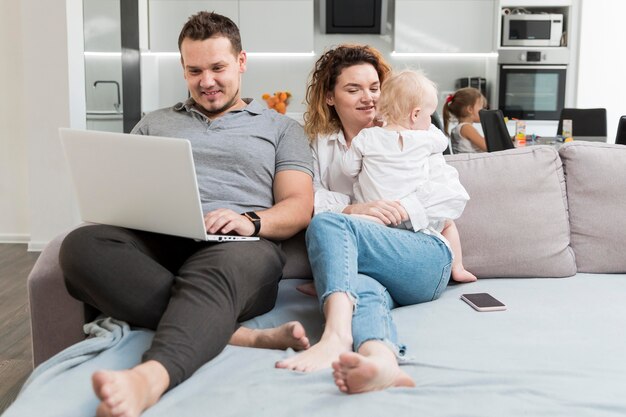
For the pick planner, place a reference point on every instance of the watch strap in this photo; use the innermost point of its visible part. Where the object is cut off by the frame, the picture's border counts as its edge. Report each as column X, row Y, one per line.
column 256, row 221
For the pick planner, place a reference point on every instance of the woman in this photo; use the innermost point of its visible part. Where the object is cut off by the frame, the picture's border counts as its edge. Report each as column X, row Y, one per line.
column 363, row 269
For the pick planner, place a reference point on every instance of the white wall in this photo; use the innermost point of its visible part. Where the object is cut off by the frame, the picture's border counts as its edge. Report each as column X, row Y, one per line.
column 602, row 61
column 52, row 89
column 13, row 166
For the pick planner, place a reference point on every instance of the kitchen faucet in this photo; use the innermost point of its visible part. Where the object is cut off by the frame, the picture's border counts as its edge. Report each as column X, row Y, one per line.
column 117, row 86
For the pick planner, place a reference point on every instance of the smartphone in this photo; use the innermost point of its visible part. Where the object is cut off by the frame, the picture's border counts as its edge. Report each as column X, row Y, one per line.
column 483, row 302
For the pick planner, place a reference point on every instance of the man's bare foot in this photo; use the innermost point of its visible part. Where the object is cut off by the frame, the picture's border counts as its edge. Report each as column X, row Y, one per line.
column 288, row 335
column 460, row 274
column 307, row 288
column 319, row 356
column 128, row 393
column 355, row 373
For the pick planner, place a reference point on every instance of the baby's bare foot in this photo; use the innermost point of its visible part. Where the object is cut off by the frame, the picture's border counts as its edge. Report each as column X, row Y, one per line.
column 460, row 274
column 289, row 335
column 355, row 373
column 319, row 356
column 307, row 288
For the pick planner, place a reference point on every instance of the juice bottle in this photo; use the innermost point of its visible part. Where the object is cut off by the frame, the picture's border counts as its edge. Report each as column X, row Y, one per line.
column 567, row 130
column 520, row 133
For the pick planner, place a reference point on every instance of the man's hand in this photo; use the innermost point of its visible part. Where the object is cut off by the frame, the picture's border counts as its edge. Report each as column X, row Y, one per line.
column 225, row 221
column 388, row 212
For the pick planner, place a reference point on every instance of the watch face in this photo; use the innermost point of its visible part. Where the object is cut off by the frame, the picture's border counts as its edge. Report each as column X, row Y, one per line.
column 252, row 216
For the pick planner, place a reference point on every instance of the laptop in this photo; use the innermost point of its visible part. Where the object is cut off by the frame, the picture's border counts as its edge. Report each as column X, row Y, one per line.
column 138, row 182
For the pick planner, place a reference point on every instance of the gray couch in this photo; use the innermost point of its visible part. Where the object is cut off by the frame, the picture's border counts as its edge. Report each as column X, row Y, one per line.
column 57, row 319
column 534, row 212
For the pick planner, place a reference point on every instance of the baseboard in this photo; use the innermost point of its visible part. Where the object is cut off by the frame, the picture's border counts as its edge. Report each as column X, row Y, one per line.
column 36, row 246
column 14, row 238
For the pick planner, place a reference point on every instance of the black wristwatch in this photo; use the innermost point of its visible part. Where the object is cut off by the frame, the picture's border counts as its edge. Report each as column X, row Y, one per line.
column 256, row 221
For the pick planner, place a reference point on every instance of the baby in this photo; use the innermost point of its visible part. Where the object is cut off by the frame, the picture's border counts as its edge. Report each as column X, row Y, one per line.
column 403, row 160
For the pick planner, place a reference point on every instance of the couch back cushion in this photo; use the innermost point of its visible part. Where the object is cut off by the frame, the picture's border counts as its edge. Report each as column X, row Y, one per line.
column 596, row 194
column 516, row 222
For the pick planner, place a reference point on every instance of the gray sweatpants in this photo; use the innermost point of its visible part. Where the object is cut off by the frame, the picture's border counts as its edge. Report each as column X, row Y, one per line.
column 193, row 294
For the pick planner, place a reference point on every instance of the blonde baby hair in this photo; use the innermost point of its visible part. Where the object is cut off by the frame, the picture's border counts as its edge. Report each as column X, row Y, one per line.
column 402, row 92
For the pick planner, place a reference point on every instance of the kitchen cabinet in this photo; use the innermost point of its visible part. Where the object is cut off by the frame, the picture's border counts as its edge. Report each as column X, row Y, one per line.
column 535, row 3
column 444, row 26
column 276, row 25
column 102, row 25
column 265, row 25
column 167, row 17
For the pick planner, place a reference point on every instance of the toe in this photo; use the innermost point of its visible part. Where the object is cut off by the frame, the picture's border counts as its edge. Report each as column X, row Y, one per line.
column 349, row 359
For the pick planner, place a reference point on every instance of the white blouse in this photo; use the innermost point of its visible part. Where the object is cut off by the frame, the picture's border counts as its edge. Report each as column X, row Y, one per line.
column 392, row 165
column 334, row 189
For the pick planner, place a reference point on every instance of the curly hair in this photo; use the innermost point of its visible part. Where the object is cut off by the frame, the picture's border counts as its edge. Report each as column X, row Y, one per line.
column 204, row 25
column 320, row 118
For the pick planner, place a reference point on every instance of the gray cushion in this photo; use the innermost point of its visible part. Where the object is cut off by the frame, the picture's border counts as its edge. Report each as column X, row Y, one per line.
column 596, row 192
column 297, row 265
column 516, row 222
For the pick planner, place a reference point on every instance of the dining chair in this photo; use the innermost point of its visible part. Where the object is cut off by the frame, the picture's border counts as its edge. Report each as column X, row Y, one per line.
column 496, row 134
column 436, row 120
column 620, row 138
column 585, row 122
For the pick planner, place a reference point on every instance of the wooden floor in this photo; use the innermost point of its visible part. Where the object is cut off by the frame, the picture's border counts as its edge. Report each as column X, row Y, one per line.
column 15, row 345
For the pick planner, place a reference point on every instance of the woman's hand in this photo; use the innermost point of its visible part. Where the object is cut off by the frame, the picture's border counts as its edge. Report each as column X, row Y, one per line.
column 389, row 212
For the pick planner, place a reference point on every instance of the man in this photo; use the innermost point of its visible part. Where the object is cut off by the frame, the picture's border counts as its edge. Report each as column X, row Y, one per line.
column 248, row 160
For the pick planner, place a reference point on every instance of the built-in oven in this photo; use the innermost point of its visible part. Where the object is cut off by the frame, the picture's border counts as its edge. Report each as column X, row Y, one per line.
column 531, row 84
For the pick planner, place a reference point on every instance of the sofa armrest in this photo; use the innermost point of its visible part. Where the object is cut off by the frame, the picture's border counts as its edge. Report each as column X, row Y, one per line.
column 56, row 318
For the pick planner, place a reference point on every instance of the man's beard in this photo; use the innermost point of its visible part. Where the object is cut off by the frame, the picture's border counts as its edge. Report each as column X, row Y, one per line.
column 222, row 109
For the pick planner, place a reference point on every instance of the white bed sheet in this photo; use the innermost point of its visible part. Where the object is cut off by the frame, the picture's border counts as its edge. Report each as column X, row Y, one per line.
column 558, row 350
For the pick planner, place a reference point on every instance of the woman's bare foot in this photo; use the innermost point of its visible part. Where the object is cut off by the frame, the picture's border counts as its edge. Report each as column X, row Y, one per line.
column 336, row 339
column 308, row 288
column 460, row 274
column 355, row 373
column 288, row 335
column 319, row 356
column 128, row 393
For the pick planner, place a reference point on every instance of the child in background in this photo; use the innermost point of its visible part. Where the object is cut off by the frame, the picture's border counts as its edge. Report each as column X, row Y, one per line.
column 464, row 105
column 403, row 160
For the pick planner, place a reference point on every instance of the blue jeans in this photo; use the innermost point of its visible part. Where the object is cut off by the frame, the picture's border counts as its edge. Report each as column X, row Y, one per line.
column 379, row 267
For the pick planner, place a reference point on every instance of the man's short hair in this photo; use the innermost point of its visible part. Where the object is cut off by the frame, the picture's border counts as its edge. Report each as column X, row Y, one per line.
column 205, row 25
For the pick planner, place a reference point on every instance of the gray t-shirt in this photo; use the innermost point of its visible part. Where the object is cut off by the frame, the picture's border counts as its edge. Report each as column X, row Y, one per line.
column 236, row 155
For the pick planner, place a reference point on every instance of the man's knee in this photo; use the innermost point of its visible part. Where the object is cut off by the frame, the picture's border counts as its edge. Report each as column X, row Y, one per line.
column 77, row 252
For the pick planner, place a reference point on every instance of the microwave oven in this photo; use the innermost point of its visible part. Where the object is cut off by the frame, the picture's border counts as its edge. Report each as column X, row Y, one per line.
column 530, row 29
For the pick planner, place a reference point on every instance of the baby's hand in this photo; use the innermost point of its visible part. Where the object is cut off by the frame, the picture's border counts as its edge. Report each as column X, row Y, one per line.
column 369, row 218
